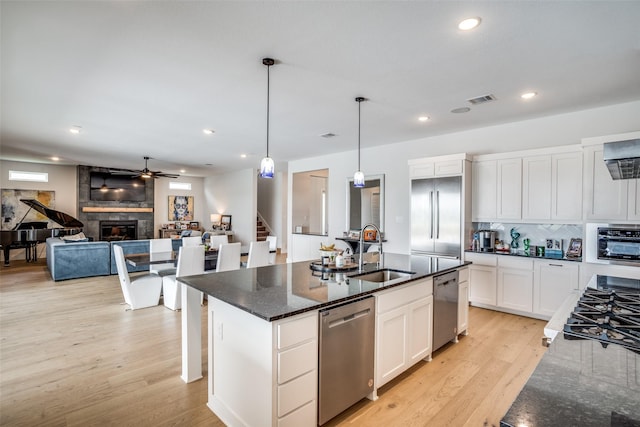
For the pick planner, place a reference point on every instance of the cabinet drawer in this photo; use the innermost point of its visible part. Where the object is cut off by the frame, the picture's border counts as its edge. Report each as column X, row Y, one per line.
column 295, row 331
column 304, row 416
column 296, row 393
column 481, row 259
column 296, row 361
column 404, row 295
column 463, row 275
column 515, row 262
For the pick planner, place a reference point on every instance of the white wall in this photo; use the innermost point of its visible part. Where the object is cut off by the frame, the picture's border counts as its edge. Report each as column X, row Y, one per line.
column 272, row 205
column 161, row 201
column 62, row 179
column 234, row 194
column 391, row 160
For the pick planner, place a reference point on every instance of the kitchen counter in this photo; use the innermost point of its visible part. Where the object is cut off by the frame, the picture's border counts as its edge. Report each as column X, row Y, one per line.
column 278, row 291
column 522, row 255
column 578, row 382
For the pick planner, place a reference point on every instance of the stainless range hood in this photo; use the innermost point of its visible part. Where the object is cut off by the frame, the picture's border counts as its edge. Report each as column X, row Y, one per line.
column 623, row 159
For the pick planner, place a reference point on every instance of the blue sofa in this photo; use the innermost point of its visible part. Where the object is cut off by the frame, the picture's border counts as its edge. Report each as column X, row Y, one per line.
column 71, row 260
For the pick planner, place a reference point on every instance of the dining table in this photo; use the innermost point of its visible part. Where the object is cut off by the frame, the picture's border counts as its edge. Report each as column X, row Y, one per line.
column 145, row 259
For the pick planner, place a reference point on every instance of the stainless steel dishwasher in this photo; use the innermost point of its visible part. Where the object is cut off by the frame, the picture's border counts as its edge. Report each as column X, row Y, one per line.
column 445, row 309
column 347, row 335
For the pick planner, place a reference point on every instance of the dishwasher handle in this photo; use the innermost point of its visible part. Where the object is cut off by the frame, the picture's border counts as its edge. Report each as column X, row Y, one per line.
column 349, row 318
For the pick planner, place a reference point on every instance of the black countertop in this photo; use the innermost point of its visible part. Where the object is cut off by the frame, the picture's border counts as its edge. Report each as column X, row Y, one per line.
column 283, row 290
column 580, row 383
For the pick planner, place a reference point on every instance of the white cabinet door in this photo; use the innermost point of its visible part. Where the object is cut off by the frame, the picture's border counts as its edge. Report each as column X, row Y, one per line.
column 484, row 196
column 606, row 199
column 509, row 198
column 554, row 281
column 482, row 284
column 391, row 344
column 536, row 188
column 515, row 289
column 463, row 307
column 419, row 333
column 566, row 188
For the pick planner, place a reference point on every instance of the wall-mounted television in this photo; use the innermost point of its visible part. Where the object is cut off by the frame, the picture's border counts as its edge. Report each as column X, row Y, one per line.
column 106, row 187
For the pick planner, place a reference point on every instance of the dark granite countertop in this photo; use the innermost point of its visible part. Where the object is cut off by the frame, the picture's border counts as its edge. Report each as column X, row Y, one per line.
column 282, row 290
column 522, row 255
column 580, row 383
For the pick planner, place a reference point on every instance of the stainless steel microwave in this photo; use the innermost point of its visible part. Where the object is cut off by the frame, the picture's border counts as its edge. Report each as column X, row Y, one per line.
column 619, row 243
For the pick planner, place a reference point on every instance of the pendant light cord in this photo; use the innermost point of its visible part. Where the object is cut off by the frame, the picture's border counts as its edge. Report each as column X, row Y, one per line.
column 268, row 85
column 359, row 104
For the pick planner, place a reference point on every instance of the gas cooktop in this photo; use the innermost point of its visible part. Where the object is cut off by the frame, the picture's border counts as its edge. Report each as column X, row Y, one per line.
column 609, row 314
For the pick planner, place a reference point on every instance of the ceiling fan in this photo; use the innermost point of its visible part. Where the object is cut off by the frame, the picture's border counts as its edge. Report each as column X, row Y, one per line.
column 144, row 173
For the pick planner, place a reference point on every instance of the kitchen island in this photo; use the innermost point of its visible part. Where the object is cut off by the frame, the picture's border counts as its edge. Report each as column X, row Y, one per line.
column 263, row 332
column 582, row 382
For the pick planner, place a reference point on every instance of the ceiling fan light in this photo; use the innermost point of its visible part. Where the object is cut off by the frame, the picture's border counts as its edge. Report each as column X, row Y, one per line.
column 267, row 167
column 104, row 188
column 145, row 175
column 358, row 179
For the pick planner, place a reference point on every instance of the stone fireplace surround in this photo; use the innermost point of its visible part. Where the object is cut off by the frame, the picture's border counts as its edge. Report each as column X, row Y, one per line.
column 118, row 211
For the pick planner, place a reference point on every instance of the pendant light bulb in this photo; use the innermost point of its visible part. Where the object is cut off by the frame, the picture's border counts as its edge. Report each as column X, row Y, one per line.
column 267, row 166
column 358, row 177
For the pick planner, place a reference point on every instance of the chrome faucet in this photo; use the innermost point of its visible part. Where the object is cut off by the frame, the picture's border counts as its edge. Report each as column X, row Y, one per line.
column 361, row 244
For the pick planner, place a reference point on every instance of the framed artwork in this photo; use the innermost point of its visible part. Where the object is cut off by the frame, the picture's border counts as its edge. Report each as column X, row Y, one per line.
column 225, row 222
column 13, row 210
column 180, row 208
column 194, row 225
column 369, row 235
column 575, row 248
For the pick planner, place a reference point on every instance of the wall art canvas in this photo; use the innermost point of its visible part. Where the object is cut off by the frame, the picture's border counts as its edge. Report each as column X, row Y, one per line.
column 13, row 210
column 180, row 208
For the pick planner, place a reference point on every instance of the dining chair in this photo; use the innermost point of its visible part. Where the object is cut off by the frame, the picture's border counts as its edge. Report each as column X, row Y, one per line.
column 258, row 254
column 218, row 239
column 228, row 257
column 273, row 247
column 142, row 291
column 192, row 241
column 160, row 246
column 190, row 261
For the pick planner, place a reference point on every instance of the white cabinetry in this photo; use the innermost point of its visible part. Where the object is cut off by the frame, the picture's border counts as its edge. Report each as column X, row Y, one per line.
column 463, row 301
column 633, row 211
column 509, row 189
column 552, row 187
column 497, row 189
column 554, row 281
column 515, row 284
column 606, row 198
column 485, row 187
column 433, row 167
column 404, row 319
column 482, row 278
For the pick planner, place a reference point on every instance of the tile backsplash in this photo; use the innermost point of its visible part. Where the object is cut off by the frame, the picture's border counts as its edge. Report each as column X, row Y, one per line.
column 536, row 233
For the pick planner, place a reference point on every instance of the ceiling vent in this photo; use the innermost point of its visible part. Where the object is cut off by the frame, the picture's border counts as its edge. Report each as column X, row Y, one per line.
column 481, row 99
column 623, row 159
column 328, row 135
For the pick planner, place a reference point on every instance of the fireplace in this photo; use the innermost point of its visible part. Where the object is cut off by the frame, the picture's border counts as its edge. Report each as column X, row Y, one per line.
column 119, row 230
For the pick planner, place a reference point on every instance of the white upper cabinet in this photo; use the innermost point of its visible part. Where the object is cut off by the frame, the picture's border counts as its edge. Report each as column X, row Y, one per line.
column 536, row 187
column 485, row 187
column 432, row 167
column 509, row 188
column 634, row 200
column 606, row 198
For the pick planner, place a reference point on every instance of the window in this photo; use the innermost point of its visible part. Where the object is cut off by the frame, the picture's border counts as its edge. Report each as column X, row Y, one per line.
column 28, row 176
column 175, row 185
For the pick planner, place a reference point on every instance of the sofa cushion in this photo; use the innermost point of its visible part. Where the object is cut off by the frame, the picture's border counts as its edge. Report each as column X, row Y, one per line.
column 77, row 259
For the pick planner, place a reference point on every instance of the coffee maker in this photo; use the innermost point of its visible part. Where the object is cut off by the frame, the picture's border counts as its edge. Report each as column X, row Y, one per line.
column 487, row 240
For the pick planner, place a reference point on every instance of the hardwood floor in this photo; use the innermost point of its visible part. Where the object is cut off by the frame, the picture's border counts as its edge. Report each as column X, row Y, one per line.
column 71, row 354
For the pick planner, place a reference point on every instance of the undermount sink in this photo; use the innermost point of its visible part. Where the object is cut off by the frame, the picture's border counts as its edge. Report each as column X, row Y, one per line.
column 385, row 275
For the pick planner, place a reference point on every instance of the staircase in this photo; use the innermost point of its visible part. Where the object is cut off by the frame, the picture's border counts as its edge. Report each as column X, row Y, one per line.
column 261, row 231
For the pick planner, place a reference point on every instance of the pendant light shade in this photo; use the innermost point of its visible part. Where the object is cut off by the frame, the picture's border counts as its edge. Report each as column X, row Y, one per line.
column 267, row 167
column 358, row 177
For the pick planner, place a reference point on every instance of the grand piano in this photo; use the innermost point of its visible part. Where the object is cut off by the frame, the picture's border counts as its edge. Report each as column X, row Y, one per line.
column 27, row 235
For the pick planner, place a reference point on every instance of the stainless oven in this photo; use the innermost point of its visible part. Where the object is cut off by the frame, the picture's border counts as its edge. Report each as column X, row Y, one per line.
column 619, row 243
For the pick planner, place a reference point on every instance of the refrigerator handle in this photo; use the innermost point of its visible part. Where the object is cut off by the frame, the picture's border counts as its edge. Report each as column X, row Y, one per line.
column 437, row 213
column 432, row 208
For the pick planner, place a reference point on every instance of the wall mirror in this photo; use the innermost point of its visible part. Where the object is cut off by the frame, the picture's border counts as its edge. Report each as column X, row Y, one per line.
column 309, row 202
column 365, row 205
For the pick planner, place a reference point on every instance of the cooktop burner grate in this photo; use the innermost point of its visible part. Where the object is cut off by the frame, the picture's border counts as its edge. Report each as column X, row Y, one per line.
column 608, row 316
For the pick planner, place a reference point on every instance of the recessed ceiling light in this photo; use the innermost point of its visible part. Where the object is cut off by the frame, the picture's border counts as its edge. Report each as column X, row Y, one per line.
column 183, row 171
column 208, row 131
column 75, row 129
column 469, row 24
column 55, row 159
column 423, row 118
column 244, row 156
column 461, row 110
column 528, row 95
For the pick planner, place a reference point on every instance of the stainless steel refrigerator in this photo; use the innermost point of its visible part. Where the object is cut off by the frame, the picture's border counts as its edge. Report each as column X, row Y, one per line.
column 436, row 216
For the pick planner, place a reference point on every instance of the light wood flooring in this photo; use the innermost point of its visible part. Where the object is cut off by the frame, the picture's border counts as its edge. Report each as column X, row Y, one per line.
column 72, row 355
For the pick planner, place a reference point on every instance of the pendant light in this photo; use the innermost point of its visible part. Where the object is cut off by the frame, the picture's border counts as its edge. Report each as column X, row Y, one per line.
column 266, row 165
column 358, row 177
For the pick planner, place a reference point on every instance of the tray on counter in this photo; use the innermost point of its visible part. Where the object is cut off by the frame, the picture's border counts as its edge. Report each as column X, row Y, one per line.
column 331, row 267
